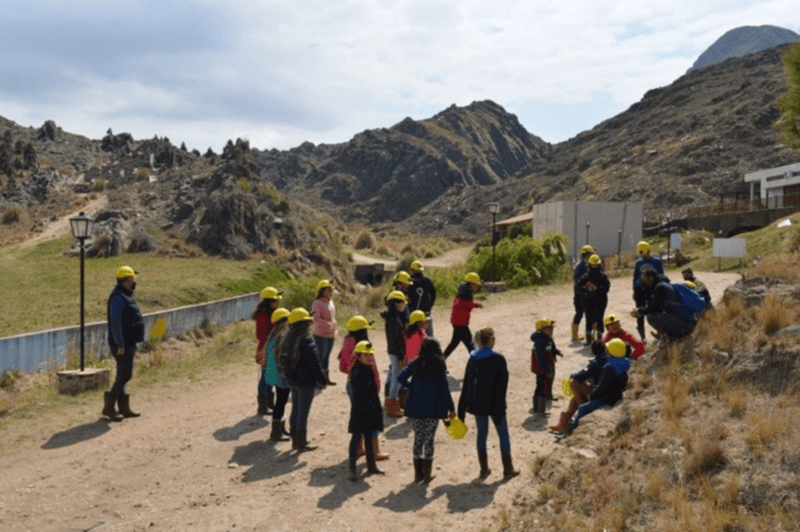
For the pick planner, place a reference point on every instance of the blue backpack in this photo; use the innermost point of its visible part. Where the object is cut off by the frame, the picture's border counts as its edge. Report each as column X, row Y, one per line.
column 684, row 302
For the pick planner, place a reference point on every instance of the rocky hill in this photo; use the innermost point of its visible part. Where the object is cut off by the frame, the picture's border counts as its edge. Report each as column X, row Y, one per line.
column 681, row 145
column 743, row 41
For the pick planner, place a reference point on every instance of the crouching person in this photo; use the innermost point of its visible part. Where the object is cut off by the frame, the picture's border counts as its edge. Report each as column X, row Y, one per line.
column 613, row 380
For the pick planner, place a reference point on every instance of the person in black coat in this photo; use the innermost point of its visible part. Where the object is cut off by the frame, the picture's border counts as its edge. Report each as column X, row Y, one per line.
column 594, row 286
column 300, row 363
column 484, row 396
column 366, row 414
column 421, row 294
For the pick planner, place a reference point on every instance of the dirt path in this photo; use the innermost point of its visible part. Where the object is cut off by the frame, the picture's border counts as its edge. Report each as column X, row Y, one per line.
column 61, row 226
column 197, row 459
column 454, row 257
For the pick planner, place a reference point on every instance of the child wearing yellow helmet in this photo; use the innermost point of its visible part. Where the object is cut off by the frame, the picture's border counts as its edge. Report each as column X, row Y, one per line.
column 262, row 315
column 611, row 383
column 366, row 415
column 396, row 316
column 274, row 377
column 460, row 314
column 416, row 332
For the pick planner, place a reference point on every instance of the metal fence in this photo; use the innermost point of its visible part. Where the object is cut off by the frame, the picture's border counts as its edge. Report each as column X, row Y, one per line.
column 49, row 349
column 734, row 203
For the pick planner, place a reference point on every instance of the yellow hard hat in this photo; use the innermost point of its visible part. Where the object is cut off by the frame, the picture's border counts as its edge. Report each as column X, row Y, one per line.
column 364, row 346
column 611, row 318
column 299, row 314
column 278, row 314
column 642, row 248
column 125, row 271
column 472, row 277
column 270, row 293
column 541, row 323
column 402, row 277
column 397, row 295
column 324, row 284
column 616, row 348
column 690, row 284
column 417, row 266
column 416, row 316
column 595, row 259
column 587, row 249
column 357, row 323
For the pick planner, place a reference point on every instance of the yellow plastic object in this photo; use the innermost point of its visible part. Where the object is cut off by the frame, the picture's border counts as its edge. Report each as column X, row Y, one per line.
column 159, row 328
column 565, row 388
column 455, row 428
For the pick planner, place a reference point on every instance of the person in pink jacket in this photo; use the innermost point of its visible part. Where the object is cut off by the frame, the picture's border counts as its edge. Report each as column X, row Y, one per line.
column 416, row 332
column 324, row 313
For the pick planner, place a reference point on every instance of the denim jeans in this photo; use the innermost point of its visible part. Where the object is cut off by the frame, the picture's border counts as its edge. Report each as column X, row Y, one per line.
column 324, row 347
column 394, row 371
column 501, row 425
column 302, row 396
column 263, row 387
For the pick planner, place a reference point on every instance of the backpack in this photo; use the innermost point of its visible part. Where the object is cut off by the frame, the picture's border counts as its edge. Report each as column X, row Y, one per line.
column 683, row 302
column 287, row 362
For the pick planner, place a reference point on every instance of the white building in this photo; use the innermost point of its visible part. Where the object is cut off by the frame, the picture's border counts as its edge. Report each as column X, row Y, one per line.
column 778, row 187
column 607, row 226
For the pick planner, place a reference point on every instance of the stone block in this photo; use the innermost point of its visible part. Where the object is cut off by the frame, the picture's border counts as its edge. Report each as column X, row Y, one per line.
column 73, row 382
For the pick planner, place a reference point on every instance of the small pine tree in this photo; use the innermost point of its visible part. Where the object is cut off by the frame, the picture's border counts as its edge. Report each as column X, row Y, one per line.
column 789, row 103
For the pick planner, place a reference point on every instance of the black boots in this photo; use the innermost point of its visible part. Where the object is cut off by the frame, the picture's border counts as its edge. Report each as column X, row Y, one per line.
column 427, row 467
column 277, row 431
column 351, row 466
column 264, row 409
column 483, row 460
column 419, row 473
column 508, row 468
column 109, row 408
column 372, row 467
column 300, row 443
column 124, row 402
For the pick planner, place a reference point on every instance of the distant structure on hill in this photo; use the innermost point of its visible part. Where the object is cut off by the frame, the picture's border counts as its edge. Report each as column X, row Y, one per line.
column 743, row 41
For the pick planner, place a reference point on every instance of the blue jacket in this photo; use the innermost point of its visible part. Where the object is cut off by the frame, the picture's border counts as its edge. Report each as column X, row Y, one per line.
column 666, row 299
column 592, row 370
column 125, row 321
column 613, row 380
column 655, row 262
column 428, row 396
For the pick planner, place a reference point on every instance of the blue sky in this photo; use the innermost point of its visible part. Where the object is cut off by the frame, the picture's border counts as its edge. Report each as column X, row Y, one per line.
column 281, row 73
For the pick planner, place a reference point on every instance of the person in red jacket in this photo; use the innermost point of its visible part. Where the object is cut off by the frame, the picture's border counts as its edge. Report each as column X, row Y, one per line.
column 262, row 315
column 614, row 329
column 462, row 308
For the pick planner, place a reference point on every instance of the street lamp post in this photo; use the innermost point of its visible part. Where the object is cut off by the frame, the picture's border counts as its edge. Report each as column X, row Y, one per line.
column 494, row 208
column 81, row 226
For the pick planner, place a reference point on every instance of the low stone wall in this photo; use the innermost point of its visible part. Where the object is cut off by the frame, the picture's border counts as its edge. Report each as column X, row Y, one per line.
column 48, row 349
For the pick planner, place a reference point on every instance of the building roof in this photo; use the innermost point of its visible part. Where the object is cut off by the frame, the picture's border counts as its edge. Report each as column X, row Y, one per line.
column 527, row 217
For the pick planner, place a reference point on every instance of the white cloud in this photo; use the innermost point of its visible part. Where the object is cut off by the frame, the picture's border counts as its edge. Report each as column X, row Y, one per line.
column 282, row 73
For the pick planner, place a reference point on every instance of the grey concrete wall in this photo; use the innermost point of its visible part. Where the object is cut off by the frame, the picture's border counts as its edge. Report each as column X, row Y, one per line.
column 48, row 349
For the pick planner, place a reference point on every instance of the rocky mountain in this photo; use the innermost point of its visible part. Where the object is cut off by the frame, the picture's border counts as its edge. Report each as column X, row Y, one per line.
column 681, row 145
column 389, row 174
column 742, row 41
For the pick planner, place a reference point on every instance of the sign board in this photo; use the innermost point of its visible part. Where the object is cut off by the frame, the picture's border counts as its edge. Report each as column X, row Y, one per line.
column 675, row 241
column 730, row 247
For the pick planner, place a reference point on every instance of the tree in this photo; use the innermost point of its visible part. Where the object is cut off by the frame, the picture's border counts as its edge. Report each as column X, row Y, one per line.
column 789, row 103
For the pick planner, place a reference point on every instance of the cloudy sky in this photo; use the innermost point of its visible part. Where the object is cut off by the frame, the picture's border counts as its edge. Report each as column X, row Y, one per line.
column 283, row 72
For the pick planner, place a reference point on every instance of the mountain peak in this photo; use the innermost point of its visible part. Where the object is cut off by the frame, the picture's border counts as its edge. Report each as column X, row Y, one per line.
column 742, row 41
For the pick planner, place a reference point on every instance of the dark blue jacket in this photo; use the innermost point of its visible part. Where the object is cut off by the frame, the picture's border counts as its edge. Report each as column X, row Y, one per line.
column 580, row 269
column 599, row 279
column 395, row 328
column 592, row 370
column 428, row 394
column 666, row 299
column 545, row 351
column 655, row 262
column 485, row 383
column 613, row 380
column 125, row 321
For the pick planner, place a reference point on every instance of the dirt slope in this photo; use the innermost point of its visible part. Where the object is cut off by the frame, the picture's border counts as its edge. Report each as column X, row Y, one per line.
column 197, row 459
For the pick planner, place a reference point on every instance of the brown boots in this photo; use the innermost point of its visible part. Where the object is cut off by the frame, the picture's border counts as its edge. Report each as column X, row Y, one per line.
column 393, row 408
column 124, row 402
column 562, row 423
column 575, row 336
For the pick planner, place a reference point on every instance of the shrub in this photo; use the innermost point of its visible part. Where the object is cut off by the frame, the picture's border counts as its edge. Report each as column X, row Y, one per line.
column 142, row 174
column 446, row 281
column 12, row 214
column 522, row 261
column 365, row 240
column 142, row 241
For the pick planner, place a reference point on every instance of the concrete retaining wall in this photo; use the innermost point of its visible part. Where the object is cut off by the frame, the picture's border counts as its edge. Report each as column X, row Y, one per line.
column 48, row 349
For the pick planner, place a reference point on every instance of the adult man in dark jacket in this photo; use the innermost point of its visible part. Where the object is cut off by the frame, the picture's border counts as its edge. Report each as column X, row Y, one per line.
column 665, row 310
column 421, row 294
column 641, row 291
column 125, row 330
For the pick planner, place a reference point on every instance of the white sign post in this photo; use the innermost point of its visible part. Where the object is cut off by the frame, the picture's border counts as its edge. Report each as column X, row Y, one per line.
column 729, row 247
